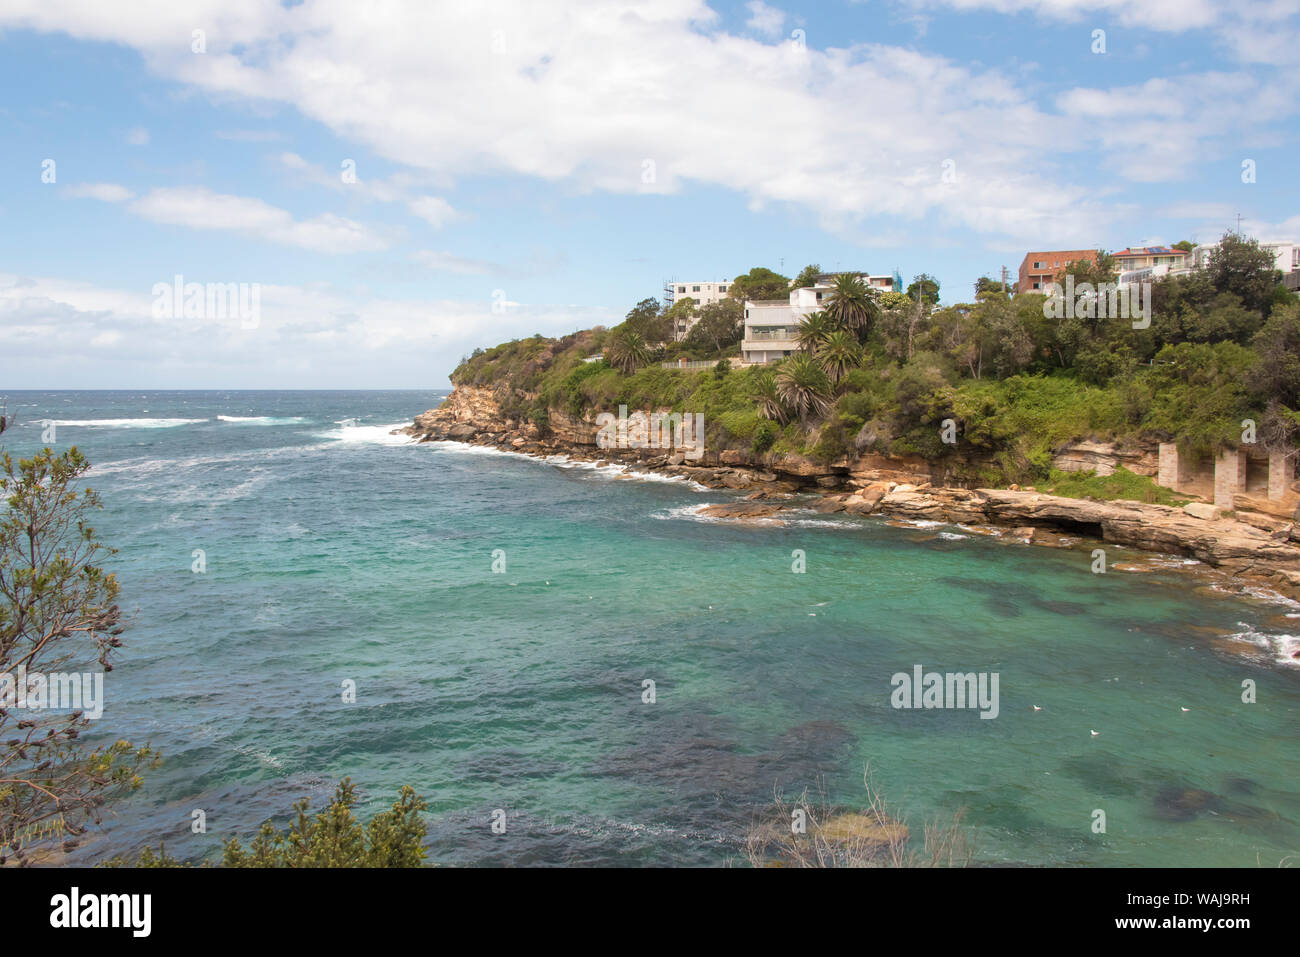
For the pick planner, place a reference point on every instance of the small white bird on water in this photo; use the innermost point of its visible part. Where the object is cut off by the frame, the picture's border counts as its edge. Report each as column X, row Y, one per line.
column 1186, row 709
column 1036, row 708
column 1096, row 733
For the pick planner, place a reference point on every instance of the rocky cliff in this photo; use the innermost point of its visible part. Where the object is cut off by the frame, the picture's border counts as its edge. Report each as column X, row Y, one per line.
column 1247, row 544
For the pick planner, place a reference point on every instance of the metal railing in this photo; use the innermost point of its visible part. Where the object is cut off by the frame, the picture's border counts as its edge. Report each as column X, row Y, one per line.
column 690, row 364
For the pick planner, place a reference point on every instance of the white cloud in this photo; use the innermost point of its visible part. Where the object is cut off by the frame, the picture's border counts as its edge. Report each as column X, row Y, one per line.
column 55, row 331
column 1162, row 129
column 585, row 97
column 764, row 19
column 104, row 192
column 434, row 210
column 438, row 261
column 138, row 136
column 200, row 208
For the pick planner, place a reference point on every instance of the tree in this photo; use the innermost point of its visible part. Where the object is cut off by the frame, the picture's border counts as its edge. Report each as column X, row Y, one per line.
column 649, row 322
column 759, row 283
column 768, row 399
column 58, row 610
column 1276, row 374
column 1186, row 245
column 924, row 288
column 335, row 838
column 807, row 277
column 1240, row 266
column 721, row 324
column 851, row 305
column 626, row 350
column 1103, row 270
column 813, row 330
column 984, row 287
column 679, row 313
column 839, row 353
column 803, row 387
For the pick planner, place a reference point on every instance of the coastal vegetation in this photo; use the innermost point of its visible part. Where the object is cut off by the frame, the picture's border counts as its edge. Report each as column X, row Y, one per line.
column 333, row 837
column 880, row 372
column 809, row 831
column 58, row 613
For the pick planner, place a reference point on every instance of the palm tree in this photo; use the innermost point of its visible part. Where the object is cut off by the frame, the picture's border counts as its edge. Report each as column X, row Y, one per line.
column 813, row 330
column 803, row 387
column 769, row 400
column 851, row 305
column 626, row 350
column 839, row 352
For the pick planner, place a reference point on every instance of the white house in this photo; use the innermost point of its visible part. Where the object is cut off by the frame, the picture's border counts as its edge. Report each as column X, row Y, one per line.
column 702, row 292
column 772, row 325
column 1286, row 254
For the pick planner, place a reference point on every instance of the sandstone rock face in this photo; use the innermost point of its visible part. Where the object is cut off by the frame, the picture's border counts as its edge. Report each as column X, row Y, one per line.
column 1104, row 457
column 743, row 510
column 1209, row 513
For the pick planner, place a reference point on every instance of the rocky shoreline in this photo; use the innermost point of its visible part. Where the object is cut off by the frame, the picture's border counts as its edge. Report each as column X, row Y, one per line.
column 1253, row 546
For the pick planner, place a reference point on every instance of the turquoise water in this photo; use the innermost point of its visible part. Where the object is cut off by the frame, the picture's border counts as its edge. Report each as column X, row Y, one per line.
column 337, row 552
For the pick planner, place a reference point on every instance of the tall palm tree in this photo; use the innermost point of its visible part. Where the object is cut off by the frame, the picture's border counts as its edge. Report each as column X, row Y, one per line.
column 813, row 330
column 838, row 353
column 626, row 350
column 769, row 400
column 803, row 387
column 852, row 306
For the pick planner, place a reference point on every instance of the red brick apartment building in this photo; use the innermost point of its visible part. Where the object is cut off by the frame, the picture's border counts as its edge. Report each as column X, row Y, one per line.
column 1038, row 269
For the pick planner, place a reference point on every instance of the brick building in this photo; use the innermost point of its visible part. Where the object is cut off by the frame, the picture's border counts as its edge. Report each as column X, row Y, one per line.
column 1039, row 268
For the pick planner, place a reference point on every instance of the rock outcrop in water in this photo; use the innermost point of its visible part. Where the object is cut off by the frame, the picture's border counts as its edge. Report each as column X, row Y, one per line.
column 1252, row 545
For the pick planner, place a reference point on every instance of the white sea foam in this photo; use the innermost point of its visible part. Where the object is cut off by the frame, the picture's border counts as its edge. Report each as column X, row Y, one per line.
column 371, row 434
column 689, row 512
column 262, row 419
column 143, row 468
column 120, row 423
column 608, row 470
column 1282, row 649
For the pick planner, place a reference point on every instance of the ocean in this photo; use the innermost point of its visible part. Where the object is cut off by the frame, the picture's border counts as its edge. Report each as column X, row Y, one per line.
column 501, row 617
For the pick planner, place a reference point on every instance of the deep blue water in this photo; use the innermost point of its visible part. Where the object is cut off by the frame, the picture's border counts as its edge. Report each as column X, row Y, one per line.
column 334, row 552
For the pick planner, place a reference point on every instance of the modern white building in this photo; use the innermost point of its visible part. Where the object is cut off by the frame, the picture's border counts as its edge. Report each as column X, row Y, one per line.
column 772, row 325
column 702, row 292
column 1286, row 254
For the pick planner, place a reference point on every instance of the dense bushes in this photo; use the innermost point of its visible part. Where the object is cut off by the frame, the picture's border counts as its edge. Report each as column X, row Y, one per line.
column 1223, row 345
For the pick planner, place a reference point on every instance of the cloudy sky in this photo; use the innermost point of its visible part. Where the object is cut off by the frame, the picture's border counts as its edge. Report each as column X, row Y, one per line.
column 406, row 181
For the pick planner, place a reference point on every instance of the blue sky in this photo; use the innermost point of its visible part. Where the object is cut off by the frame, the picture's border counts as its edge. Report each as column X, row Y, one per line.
column 528, row 167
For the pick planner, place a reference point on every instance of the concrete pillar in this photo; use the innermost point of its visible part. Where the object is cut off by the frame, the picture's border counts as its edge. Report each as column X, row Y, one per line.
column 1229, row 478
column 1167, row 472
column 1279, row 475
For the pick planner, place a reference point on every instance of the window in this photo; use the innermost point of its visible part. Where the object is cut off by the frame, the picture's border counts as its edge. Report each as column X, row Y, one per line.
column 1039, row 265
column 1295, row 257
column 722, row 289
column 695, row 289
column 681, row 288
column 819, row 296
column 1035, row 285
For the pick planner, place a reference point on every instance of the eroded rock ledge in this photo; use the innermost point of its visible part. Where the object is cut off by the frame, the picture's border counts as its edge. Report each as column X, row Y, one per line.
column 1250, row 545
